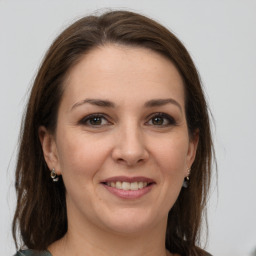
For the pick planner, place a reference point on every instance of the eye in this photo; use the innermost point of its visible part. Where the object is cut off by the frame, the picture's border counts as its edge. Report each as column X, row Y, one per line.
column 161, row 119
column 94, row 120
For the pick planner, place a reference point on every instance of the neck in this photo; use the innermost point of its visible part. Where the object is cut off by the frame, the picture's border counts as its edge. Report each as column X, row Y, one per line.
column 90, row 240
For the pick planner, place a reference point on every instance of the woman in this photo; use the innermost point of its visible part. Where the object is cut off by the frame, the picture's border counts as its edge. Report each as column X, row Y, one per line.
column 116, row 150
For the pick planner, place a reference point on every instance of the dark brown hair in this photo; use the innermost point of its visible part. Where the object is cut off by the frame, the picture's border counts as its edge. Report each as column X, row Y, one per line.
column 41, row 209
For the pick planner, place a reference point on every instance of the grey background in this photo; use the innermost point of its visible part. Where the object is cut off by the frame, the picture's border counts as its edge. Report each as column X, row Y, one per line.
column 221, row 37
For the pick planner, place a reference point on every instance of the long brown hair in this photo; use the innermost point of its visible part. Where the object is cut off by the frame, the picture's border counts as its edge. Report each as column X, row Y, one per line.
column 41, row 209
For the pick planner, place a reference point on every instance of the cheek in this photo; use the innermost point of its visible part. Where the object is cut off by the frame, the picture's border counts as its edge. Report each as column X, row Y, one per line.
column 80, row 155
column 171, row 155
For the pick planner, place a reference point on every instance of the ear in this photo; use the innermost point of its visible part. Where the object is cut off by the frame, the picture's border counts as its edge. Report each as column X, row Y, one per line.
column 192, row 148
column 49, row 148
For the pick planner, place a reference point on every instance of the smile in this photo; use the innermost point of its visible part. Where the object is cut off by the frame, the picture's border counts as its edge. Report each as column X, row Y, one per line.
column 127, row 185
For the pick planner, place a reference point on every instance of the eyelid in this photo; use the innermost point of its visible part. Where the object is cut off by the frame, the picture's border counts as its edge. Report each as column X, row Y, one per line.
column 90, row 116
column 170, row 119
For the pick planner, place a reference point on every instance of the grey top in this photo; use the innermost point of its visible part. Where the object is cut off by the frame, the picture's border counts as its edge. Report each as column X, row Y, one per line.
column 44, row 253
column 32, row 253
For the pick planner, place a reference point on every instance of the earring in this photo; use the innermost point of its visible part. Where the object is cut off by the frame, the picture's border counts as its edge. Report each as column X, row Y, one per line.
column 186, row 180
column 54, row 176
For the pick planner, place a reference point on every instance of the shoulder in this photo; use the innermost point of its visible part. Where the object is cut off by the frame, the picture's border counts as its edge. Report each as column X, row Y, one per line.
column 32, row 253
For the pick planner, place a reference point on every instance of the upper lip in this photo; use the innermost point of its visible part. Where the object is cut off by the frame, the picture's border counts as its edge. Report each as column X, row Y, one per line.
column 128, row 179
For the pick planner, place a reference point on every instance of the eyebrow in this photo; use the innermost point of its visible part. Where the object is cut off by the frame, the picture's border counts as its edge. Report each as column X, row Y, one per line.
column 162, row 102
column 96, row 102
column 109, row 104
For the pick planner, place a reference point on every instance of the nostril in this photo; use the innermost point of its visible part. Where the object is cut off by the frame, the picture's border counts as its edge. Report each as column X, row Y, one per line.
column 121, row 160
column 129, row 162
column 129, row 154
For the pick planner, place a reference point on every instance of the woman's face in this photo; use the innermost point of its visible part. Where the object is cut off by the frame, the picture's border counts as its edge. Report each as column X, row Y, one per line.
column 121, row 142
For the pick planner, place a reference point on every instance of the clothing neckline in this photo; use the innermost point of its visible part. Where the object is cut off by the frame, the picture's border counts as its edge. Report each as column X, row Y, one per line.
column 31, row 252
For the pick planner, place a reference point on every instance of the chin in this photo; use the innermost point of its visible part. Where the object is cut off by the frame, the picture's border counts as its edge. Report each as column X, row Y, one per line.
column 129, row 228
column 131, row 222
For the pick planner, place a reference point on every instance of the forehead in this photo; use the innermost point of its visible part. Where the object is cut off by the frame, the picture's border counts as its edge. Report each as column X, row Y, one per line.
column 122, row 72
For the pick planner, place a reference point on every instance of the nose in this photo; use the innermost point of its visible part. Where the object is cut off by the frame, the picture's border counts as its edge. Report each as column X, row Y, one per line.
column 130, row 148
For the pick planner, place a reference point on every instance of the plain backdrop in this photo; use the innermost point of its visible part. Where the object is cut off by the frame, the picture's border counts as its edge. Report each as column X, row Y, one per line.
column 221, row 37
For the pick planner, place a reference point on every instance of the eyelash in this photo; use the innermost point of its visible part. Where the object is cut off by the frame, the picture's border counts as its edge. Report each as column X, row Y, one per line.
column 166, row 119
column 89, row 118
column 170, row 120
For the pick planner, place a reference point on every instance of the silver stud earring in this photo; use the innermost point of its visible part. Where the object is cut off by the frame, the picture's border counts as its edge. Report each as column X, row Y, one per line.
column 54, row 176
column 186, row 180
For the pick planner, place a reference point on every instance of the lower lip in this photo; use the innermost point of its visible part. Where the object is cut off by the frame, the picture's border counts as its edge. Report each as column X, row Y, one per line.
column 129, row 194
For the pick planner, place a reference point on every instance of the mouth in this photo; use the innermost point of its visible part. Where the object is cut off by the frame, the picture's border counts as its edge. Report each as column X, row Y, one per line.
column 127, row 187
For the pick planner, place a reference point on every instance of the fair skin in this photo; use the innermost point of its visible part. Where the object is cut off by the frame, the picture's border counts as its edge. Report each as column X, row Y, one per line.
column 123, row 149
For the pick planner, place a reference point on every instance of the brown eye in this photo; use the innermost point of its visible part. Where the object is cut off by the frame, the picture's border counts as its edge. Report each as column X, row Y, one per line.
column 162, row 120
column 95, row 120
column 157, row 121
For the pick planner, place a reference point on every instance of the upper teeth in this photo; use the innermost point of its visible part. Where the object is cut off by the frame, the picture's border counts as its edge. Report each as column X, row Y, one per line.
column 128, row 185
